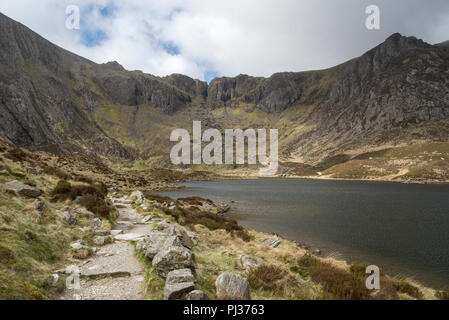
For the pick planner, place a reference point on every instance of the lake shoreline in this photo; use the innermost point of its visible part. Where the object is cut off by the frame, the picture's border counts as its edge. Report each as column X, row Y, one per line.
column 325, row 244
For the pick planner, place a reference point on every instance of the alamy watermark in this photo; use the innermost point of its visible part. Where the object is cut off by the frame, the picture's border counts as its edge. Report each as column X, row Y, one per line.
column 373, row 280
column 372, row 22
column 212, row 153
column 73, row 19
column 73, row 280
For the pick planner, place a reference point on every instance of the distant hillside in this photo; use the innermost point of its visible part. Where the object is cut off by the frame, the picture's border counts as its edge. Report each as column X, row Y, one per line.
column 443, row 44
column 395, row 94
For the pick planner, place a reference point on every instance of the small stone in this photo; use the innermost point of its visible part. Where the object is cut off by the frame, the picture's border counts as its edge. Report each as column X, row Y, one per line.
column 67, row 217
column 163, row 225
column 147, row 218
column 102, row 240
column 35, row 171
column 231, row 286
column 95, row 223
column 247, row 262
column 272, row 242
column 39, row 205
column 80, row 244
column 55, row 278
column 85, row 213
column 137, row 197
column 197, row 295
column 116, row 232
column 77, row 200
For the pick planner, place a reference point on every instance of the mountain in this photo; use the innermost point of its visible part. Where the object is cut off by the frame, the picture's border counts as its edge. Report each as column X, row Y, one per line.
column 396, row 94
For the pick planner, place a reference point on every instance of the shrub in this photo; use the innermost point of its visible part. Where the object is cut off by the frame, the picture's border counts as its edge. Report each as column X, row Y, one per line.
column 92, row 196
column 63, row 187
column 443, row 294
column 95, row 204
column 266, row 277
column 336, row 283
column 412, row 291
column 242, row 234
column 15, row 155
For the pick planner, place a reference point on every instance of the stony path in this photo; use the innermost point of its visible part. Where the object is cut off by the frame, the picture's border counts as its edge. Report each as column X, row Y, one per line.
column 114, row 272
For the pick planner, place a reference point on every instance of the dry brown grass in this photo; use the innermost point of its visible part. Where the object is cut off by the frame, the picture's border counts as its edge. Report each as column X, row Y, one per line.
column 92, row 197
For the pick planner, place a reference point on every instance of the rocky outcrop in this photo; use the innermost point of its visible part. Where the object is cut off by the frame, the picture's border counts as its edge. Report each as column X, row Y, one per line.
column 21, row 189
column 231, row 286
column 49, row 98
column 44, row 97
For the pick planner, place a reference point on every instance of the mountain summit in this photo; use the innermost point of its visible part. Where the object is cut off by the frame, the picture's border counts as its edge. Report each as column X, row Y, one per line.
column 52, row 99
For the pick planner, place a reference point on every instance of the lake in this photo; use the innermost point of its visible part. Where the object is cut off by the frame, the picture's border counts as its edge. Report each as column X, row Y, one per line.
column 402, row 228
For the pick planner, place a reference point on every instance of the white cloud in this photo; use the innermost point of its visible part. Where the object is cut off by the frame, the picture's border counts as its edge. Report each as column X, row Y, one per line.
column 230, row 37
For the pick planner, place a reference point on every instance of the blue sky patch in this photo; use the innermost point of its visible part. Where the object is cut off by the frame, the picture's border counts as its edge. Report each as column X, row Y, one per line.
column 93, row 38
column 109, row 10
column 210, row 75
column 170, row 48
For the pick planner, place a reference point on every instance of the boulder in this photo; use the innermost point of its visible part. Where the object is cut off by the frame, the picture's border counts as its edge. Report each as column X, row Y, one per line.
column 177, row 290
column 171, row 258
column 178, row 283
column 231, row 286
column 181, row 233
column 197, row 295
column 273, row 242
column 1, row 218
column 155, row 240
column 21, row 189
column 247, row 262
column 180, row 275
column 68, row 217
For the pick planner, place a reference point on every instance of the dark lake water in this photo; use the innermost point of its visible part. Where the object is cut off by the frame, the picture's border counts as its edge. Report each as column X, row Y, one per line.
column 402, row 228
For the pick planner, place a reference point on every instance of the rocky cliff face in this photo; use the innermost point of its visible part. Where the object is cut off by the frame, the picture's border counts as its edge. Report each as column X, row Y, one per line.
column 49, row 97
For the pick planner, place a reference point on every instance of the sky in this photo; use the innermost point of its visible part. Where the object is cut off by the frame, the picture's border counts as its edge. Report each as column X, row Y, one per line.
column 212, row 38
